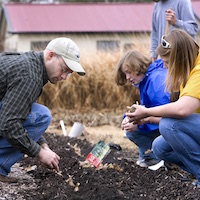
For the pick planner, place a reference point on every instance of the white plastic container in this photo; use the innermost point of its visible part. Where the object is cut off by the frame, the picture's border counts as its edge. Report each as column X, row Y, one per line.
column 76, row 129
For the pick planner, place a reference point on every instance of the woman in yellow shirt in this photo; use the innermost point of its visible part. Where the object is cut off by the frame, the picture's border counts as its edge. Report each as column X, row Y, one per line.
column 179, row 121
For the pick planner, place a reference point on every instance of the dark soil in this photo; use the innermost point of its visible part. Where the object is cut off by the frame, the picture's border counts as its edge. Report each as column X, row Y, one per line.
column 123, row 181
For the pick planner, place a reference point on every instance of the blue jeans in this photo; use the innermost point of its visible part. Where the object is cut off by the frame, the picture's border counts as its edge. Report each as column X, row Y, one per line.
column 36, row 124
column 179, row 143
column 144, row 142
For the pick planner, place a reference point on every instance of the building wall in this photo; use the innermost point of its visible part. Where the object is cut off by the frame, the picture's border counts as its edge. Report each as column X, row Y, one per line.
column 88, row 44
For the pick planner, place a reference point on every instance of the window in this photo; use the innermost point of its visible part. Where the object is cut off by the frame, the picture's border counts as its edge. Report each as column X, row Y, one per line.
column 108, row 45
column 128, row 47
column 38, row 46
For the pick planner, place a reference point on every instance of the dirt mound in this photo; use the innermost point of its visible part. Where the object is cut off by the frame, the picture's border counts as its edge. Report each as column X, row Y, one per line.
column 120, row 179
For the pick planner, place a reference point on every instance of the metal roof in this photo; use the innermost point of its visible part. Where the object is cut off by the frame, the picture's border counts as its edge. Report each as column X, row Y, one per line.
column 81, row 17
column 196, row 6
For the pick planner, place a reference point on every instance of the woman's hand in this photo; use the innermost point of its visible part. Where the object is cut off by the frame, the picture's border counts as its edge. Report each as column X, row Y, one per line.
column 130, row 127
column 127, row 126
column 151, row 119
column 124, row 122
column 145, row 121
column 140, row 113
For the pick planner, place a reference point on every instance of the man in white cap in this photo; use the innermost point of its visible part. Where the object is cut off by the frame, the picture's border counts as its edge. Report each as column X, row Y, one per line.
column 23, row 121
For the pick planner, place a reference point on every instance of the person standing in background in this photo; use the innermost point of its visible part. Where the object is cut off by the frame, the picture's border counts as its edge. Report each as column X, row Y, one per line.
column 178, row 13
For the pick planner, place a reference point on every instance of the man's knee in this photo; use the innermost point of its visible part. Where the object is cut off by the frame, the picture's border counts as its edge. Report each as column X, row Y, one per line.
column 42, row 113
column 46, row 114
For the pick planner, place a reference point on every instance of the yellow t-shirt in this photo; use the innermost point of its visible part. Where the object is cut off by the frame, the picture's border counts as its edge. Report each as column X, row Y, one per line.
column 192, row 87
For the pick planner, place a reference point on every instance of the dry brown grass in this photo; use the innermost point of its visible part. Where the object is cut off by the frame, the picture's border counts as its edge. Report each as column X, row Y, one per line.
column 96, row 90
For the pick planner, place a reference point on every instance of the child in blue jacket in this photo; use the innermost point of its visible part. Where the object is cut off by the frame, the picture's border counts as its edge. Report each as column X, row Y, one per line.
column 149, row 78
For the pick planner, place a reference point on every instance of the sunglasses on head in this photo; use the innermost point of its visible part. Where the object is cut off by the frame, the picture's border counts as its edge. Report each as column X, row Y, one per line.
column 164, row 43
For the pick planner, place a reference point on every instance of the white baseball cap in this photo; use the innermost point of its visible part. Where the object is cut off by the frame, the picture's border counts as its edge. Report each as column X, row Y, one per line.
column 69, row 51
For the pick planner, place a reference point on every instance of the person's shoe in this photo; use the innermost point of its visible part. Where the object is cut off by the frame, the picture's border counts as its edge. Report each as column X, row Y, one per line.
column 141, row 163
column 147, row 162
column 151, row 161
column 196, row 183
column 7, row 179
column 157, row 165
column 138, row 161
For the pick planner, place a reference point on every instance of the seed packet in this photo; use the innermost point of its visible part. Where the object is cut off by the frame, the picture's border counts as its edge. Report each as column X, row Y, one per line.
column 98, row 153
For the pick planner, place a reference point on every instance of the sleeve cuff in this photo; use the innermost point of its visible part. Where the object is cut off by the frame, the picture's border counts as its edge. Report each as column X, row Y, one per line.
column 179, row 24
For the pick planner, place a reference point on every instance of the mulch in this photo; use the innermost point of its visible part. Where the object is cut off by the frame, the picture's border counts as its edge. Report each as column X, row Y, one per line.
column 119, row 178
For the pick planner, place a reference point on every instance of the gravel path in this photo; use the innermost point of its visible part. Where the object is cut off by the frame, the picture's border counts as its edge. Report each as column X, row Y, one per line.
column 10, row 191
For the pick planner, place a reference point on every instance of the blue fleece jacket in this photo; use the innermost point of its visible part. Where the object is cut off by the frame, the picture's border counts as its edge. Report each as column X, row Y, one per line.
column 152, row 91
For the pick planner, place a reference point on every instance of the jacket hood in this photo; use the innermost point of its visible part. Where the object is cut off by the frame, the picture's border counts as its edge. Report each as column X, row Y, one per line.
column 157, row 64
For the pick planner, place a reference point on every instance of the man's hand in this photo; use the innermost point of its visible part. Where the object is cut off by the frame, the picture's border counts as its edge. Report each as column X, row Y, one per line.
column 49, row 158
column 45, row 146
column 171, row 16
